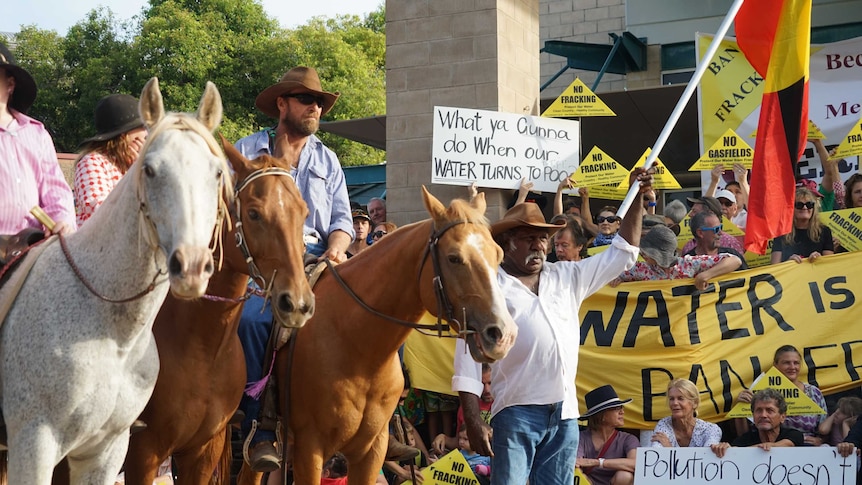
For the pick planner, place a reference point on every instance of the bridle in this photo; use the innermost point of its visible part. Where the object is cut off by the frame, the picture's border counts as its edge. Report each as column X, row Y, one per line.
column 241, row 241
column 445, row 309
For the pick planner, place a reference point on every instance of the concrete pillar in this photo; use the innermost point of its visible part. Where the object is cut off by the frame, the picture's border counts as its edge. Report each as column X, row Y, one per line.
column 481, row 54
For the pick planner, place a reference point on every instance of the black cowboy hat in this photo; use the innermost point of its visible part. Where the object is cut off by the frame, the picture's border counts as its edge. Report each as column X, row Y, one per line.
column 600, row 399
column 297, row 80
column 25, row 86
column 115, row 114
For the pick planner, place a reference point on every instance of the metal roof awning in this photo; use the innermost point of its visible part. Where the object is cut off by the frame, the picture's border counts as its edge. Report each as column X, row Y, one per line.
column 370, row 131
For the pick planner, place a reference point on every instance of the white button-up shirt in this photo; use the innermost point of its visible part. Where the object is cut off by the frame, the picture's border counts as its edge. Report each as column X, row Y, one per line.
column 541, row 366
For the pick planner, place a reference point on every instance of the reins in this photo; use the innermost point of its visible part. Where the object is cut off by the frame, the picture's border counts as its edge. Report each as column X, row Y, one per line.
column 88, row 286
column 444, row 305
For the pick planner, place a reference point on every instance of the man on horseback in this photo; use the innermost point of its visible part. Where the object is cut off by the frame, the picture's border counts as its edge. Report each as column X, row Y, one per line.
column 29, row 173
column 534, row 431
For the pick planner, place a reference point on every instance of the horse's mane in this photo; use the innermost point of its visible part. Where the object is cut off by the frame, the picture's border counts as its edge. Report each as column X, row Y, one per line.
column 461, row 209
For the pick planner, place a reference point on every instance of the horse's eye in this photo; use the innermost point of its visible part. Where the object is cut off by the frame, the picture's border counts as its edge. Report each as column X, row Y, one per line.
column 219, row 173
column 149, row 172
column 253, row 215
column 455, row 259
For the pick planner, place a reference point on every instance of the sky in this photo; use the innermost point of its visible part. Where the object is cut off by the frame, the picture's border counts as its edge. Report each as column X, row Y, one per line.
column 59, row 15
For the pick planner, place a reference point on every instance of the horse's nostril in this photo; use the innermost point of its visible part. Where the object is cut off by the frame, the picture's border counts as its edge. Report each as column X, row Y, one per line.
column 493, row 333
column 209, row 268
column 175, row 266
column 285, row 303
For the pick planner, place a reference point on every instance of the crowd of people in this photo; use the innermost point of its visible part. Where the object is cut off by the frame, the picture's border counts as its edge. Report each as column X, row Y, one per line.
column 516, row 420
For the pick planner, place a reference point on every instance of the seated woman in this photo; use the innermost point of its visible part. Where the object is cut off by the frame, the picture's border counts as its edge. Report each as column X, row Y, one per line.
column 682, row 428
column 788, row 361
column 605, row 454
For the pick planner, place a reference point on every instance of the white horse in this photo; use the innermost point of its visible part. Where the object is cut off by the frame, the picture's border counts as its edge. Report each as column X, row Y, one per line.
column 76, row 370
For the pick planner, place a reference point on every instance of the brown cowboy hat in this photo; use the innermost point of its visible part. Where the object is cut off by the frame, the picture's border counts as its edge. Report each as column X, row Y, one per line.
column 524, row 214
column 297, row 80
column 25, row 86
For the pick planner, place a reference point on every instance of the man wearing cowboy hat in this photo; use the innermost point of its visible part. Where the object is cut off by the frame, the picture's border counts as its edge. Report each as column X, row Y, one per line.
column 29, row 173
column 297, row 101
column 534, row 430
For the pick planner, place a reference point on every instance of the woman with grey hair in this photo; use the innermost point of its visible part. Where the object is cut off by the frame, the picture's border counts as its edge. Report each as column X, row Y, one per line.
column 682, row 428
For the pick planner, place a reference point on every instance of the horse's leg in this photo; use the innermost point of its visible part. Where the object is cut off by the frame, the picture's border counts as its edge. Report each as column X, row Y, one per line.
column 308, row 462
column 247, row 476
column 200, row 466
column 143, row 458
column 33, row 452
column 365, row 469
column 100, row 468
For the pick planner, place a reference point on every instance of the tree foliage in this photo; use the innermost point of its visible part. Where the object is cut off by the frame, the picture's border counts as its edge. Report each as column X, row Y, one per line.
column 232, row 43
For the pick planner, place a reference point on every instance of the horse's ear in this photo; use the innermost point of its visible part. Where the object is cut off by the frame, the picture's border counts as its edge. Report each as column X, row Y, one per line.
column 237, row 161
column 432, row 205
column 479, row 202
column 210, row 108
column 151, row 107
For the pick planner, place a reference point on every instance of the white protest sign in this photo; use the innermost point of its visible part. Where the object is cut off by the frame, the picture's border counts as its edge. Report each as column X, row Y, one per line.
column 500, row 149
column 779, row 466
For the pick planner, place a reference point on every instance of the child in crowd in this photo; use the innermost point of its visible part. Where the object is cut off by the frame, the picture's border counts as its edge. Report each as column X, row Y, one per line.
column 838, row 424
column 481, row 465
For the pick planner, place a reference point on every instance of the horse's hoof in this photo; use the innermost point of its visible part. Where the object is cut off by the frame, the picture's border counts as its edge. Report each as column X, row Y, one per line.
column 263, row 458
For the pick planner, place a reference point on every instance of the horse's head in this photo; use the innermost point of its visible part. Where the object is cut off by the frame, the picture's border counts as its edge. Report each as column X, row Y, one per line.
column 269, row 214
column 468, row 259
column 180, row 177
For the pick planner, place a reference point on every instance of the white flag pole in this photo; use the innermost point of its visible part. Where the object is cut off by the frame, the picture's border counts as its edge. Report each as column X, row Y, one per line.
column 683, row 100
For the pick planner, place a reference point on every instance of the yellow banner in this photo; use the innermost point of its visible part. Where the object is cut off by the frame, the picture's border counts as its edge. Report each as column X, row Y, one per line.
column 641, row 335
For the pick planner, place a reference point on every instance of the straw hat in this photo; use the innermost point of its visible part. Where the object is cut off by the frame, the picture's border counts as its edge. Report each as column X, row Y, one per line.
column 25, row 86
column 710, row 202
column 115, row 114
column 601, row 399
column 524, row 214
column 297, row 80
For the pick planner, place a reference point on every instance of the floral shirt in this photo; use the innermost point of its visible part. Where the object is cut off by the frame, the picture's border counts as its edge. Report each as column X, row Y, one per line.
column 807, row 423
column 685, row 267
column 704, row 433
column 95, row 178
column 724, row 239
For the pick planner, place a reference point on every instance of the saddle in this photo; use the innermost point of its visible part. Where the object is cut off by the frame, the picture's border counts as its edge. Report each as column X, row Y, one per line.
column 14, row 244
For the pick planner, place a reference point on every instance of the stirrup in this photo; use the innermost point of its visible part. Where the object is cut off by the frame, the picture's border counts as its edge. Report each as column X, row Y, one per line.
column 279, row 441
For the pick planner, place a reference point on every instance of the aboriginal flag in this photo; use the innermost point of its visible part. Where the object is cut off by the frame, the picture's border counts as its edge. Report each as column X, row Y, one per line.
column 775, row 36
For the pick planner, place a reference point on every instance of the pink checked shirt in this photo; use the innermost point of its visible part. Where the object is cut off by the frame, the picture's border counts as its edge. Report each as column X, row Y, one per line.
column 30, row 176
column 95, row 177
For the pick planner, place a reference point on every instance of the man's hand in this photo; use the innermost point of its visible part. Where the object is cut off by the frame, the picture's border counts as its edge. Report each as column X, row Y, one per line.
column 334, row 254
column 480, row 434
column 719, row 448
column 717, row 172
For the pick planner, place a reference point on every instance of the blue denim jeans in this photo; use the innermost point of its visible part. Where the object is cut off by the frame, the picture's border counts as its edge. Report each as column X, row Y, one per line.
column 254, row 330
column 532, row 441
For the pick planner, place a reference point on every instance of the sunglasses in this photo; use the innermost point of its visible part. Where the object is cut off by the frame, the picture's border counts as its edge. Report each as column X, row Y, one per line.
column 378, row 234
column 306, row 99
column 804, row 205
column 601, row 219
column 715, row 229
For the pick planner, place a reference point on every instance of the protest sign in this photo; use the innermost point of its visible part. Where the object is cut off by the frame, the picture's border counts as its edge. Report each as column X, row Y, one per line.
column 662, row 178
column 500, row 149
column 598, row 168
column 778, row 466
column 648, row 333
column 452, row 468
column 851, row 145
column 797, row 402
column 577, row 100
column 846, row 225
column 727, row 150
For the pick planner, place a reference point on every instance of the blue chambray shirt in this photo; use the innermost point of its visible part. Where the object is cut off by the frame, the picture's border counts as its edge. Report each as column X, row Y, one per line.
column 320, row 180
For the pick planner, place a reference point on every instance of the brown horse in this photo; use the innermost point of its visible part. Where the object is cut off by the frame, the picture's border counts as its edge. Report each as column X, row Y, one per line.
column 345, row 378
column 202, row 373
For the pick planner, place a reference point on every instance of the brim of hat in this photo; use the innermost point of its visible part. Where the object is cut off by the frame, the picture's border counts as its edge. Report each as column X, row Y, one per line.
column 604, row 407
column 266, row 100
column 25, row 88
column 504, row 225
column 663, row 260
column 363, row 217
column 129, row 126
